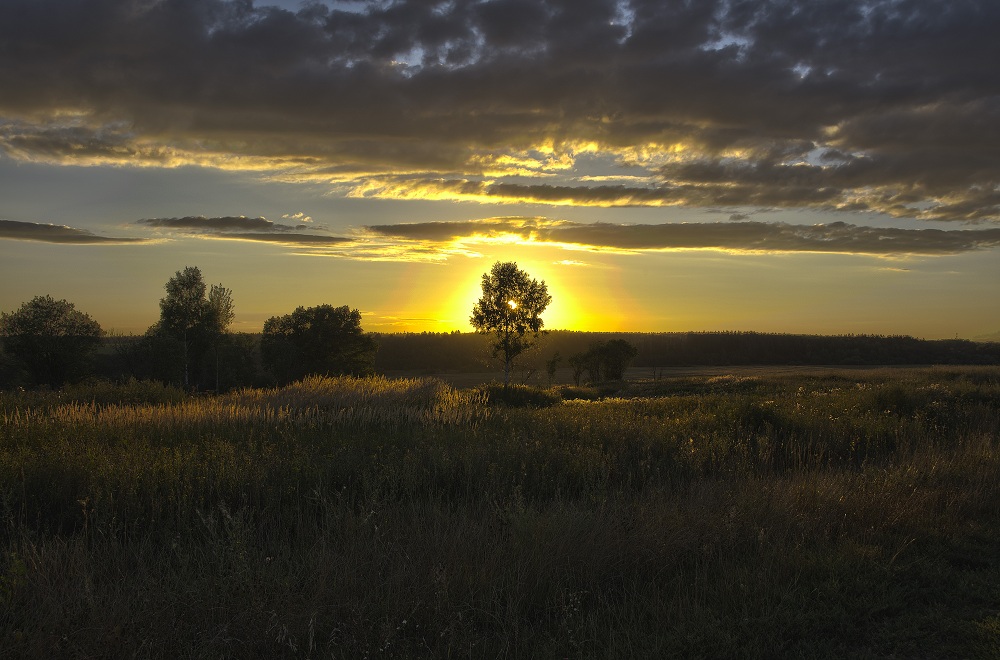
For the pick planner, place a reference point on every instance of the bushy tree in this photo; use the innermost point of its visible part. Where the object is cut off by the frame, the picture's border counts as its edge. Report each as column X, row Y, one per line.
column 198, row 321
column 510, row 310
column 50, row 338
column 604, row 361
column 323, row 340
column 616, row 356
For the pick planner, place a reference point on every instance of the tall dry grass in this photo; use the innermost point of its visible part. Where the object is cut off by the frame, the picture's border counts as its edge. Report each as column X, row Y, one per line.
column 820, row 517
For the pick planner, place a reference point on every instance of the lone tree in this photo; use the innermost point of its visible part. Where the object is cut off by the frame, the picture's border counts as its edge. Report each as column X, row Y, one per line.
column 615, row 357
column 323, row 340
column 51, row 338
column 196, row 320
column 510, row 309
column 604, row 361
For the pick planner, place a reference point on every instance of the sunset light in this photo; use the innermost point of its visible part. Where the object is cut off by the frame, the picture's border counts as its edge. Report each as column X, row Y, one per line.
column 616, row 329
column 648, row 180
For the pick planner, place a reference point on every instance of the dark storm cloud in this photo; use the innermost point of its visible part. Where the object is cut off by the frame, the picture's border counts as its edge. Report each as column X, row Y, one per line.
column 837, row 237
column 752, row 236
column 880, row 105
column 287, row 239
column 45, row 233
column 223, row 224
column 241, row 228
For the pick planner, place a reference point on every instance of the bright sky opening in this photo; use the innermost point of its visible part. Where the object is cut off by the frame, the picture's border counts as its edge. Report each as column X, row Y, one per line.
column 827, row 167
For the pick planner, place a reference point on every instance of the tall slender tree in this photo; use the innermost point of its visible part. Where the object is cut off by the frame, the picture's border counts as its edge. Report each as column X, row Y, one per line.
column 193, row 318
column 220, row 315
column 510, row 310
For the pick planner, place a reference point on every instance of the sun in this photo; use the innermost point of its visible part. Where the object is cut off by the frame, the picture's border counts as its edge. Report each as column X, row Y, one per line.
column 573, row 306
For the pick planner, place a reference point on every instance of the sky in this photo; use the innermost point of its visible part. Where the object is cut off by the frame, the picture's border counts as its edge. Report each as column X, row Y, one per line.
column 822, row 167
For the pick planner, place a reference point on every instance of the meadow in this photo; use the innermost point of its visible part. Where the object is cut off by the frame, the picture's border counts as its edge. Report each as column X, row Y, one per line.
column 787, row 514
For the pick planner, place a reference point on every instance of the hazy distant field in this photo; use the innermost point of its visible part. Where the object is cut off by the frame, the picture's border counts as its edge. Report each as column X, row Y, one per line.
column 723, row 513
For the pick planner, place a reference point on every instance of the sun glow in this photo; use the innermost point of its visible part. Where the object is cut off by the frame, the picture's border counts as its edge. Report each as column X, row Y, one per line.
column 567, row 311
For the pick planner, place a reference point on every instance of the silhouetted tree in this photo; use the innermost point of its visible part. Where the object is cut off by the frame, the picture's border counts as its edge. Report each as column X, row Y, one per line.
column 551, row 365
column 615, row 357
column 510, row 309
column 197, row 321
column 592, row 363
column 323, row 340
column 50, row 338
column 606, row 360
column 220, row 316
column 183, row 309
column 579, row 364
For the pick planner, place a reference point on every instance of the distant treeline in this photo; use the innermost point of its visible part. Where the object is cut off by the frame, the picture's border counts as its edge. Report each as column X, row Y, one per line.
column 238, row 362
column 468, row 352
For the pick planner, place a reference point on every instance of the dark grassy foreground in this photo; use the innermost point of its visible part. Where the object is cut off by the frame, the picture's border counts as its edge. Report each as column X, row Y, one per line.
column 852, row 515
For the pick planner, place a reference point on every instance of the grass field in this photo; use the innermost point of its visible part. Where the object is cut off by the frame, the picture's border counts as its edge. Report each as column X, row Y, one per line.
column 819, row 513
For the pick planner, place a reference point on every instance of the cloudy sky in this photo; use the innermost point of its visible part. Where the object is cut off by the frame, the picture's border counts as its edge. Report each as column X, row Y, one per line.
column 830, row 166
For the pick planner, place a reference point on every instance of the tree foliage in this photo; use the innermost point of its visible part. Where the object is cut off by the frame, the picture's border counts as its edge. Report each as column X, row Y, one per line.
column 551, row 365
column 324, row 340
column 616, row 356
column 510, row 310
column 184, row 307
column 221, row 311
column 198, row 321
column 606, row 360
column 50, row 338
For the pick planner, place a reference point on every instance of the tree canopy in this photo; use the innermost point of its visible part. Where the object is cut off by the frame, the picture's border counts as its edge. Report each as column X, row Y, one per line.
column 196, row 320
column 323, row 340
column 605, row 360
column 50, row 338
column 510, row 310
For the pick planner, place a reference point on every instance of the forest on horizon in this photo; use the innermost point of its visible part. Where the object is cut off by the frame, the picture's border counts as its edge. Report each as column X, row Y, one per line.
column 470, row 351
column 428, row 353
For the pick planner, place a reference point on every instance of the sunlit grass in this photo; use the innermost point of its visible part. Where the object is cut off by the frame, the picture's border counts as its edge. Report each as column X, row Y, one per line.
column 844, row 515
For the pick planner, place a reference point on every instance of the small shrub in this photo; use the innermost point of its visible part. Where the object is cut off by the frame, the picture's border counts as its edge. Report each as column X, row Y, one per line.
column 519, row 396
column 570, row 392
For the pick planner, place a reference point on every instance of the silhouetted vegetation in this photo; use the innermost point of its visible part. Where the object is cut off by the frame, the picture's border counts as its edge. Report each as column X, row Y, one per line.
column 606, row 360
column 157, row 356
column 234, row 360
column 190, row 344
column 322, row 340
column 50, row 340
column 196, row 320
column 518, row 395
column 510, row 311
column 457, row 352
column 432, row 352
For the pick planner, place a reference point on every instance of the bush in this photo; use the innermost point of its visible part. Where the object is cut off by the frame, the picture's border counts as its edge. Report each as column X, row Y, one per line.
column 519, row 396
column 570, row 392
